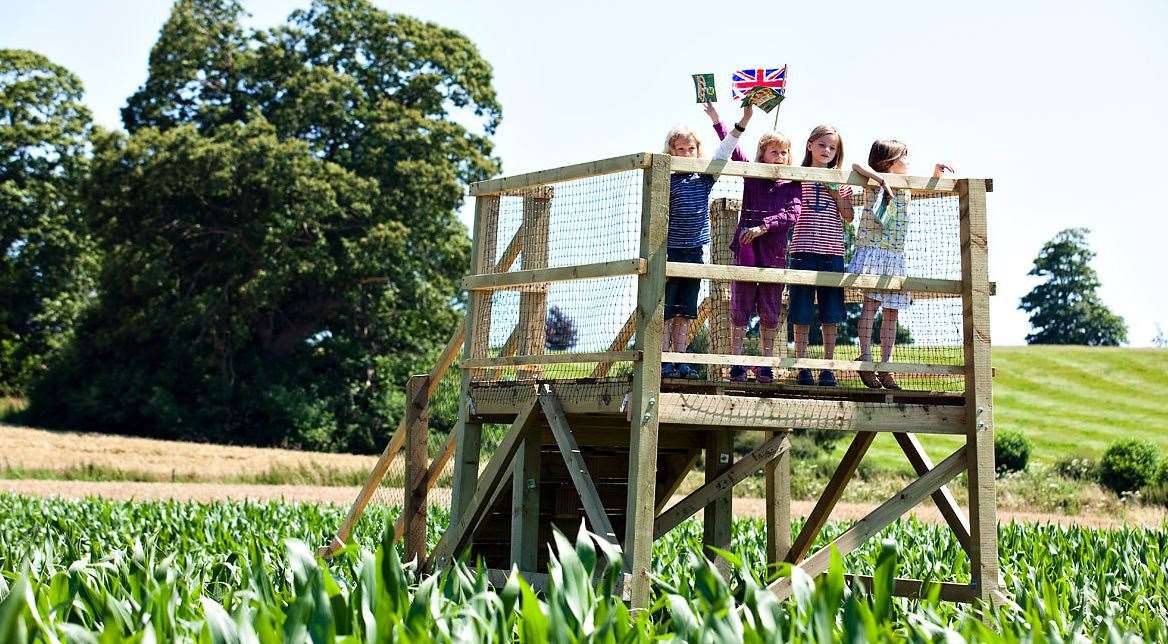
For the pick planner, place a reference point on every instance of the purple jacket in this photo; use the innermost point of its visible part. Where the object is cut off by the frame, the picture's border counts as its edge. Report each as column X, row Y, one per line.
column 774, row 204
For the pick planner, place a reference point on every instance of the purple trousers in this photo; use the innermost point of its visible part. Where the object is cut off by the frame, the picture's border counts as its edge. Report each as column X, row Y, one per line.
column 750, row 298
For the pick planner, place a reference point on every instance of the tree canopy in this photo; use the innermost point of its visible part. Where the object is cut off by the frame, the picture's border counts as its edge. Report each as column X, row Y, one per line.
column 46, row 256
column 279, row 227
column 1066, row 308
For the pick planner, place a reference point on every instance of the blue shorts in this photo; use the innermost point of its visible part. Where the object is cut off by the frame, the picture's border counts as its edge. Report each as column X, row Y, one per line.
column 830, row 298
column 681, row 293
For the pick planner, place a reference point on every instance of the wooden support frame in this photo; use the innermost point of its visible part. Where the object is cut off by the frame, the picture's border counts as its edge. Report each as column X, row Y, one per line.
column 800, row 173
column 878, row 519
column 718, row 513
column 485, row 489
column 531, row 327
column 710, row 410
column 778, row 500
column 525, row 505
column 554, row 358
column 943, row 498
column 831, row 496
column 719, row 485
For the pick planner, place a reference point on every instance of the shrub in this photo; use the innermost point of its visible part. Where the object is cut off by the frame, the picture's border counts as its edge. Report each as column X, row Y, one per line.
column 1011, row 451
column 1077, row 468
column 1128, row 465
column 561, row 330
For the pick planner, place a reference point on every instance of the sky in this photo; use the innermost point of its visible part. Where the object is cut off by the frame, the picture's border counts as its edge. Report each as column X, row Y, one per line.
column 1061, row 103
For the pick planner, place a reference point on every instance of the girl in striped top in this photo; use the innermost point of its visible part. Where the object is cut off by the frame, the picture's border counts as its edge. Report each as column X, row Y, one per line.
column 689, row 232
column 880, row 240
column 817, row 244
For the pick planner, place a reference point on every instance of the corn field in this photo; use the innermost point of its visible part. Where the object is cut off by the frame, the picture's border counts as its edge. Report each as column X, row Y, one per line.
column 101, row 571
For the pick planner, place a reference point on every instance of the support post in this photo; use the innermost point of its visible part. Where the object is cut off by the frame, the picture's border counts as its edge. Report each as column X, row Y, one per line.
column 723, row 223
column 478, row 330
column 979, row 405
column 646, row 390
column 778, row 502
column 525, row 505
column 719, row 512
column 415, row 493
column 532, row 328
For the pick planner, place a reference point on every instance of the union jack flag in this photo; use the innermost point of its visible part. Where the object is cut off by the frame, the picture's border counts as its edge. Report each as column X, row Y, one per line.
column 745, row 80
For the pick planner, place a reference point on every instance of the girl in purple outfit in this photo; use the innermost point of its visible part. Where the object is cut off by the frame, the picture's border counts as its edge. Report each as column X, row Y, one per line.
column 769, row 210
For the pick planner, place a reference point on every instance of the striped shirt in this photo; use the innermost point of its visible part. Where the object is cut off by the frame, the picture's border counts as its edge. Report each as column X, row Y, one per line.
column 689, row 209
column 820, row 228
column 689, row 202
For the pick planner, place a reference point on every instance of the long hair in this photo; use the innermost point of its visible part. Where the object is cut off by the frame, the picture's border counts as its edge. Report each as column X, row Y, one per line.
column 884, row 152
column 822, row 131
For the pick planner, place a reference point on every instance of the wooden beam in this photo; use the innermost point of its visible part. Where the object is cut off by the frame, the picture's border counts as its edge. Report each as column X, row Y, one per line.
column 413, row 492
column 429, row 479
column 724, row 214
column 865, row 281
column 532, row 323
column 565, row 173
column 487, row 485
column 643, row 398
column 917, row 588
column 600, row 398
column 878, row 519
column 577, row 469
column 979, row 402
column 525, row 490
column 832, row 492
column 554, row 358
column 720, row 485
column 800, row 173
column 718, row 512
column 528, row 277
column 618, row 344
column 778, row 501
column 812, row 363
column 943, row 498
column 745, row 412
column 437, row 373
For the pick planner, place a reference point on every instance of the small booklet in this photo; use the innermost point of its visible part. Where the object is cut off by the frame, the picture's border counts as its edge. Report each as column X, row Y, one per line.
column 704, row 87
column 766, row 98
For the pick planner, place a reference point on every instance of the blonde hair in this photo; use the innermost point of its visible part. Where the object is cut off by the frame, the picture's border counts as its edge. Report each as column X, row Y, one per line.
column 822, row 131
column 884, row 153
column 679, row 132
column 771, row 138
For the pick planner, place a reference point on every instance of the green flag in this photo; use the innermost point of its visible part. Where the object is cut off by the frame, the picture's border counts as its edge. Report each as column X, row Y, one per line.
column 704, row 87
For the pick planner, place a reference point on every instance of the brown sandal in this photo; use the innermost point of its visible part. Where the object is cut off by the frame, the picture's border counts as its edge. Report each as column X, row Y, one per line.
column 886, row 380
column 869, row 379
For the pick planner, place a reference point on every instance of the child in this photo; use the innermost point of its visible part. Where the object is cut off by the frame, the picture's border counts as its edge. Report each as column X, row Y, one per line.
column 880, row 250
column 769, row 210
column 818, row 245
column 689, row 231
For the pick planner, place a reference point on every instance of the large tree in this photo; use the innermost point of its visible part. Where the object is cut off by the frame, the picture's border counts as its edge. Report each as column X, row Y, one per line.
column 46, row 256
column 282, row 228
column 1066, row 308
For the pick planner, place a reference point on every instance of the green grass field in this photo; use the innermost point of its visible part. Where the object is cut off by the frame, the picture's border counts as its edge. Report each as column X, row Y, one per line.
column 1068, row 401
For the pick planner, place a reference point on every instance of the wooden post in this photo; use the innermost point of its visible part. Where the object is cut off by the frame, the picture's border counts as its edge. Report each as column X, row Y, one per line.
column 723, row 224
column 778, row 503
column 646, row 391
column 478, row 331
column 719, row 513
column 532, row 330
column 525, row 505
column 414, row 493
column 979, row 406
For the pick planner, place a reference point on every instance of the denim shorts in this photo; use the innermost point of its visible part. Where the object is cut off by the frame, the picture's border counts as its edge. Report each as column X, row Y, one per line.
column 681, row 293
column 830, row 298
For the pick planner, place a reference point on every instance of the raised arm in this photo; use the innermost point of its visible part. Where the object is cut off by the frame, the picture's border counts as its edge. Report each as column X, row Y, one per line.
column 865, row 171
column 712, row 112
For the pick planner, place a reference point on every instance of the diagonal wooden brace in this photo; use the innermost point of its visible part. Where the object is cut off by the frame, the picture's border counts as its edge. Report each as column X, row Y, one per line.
column 831, row 495
column 577, row 469
column 488, row 486
column 957, row 520
column 719, row 486
column 879, row 518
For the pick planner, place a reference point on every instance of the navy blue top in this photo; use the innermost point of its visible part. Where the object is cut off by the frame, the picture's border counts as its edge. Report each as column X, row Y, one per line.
column 689, row 209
